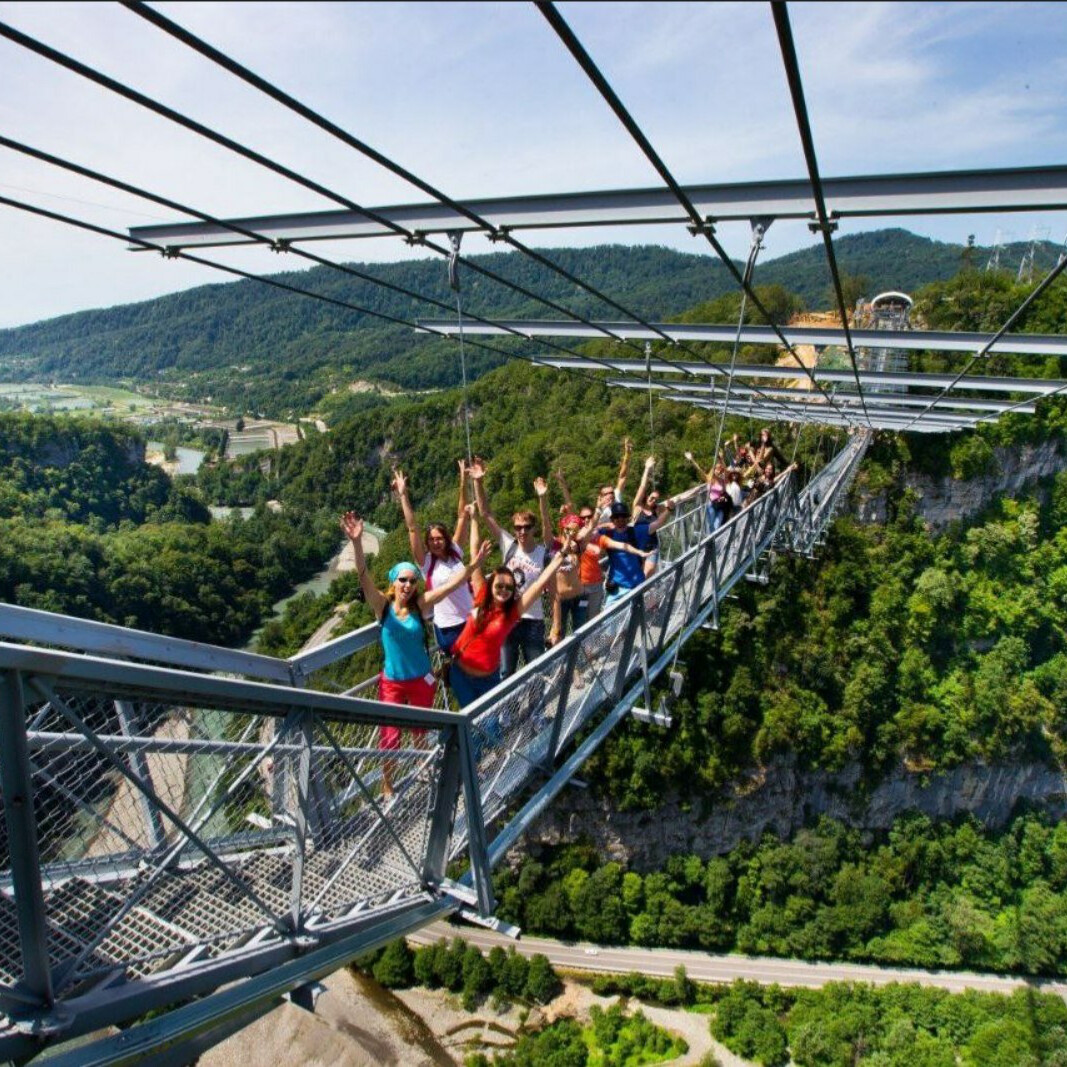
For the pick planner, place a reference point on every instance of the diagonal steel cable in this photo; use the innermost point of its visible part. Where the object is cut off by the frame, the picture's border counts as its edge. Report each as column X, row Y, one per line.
column 495, row 233
column 824, row 225
column 163, row 110
column 700, row 226
column 1015, row 316
column 115, row 183
column 173, row 253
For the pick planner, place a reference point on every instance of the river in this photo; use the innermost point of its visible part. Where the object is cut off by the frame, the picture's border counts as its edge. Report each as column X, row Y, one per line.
column 187, row 460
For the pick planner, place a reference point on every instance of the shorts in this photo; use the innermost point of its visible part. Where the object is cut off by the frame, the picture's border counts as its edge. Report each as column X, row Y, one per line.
column 412, row 692
column 594, row 596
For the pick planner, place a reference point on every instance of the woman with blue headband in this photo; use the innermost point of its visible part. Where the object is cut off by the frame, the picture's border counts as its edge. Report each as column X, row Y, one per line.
column 407, row 676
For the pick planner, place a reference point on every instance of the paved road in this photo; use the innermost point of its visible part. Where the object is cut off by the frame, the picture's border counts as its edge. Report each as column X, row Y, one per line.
column 707, row 967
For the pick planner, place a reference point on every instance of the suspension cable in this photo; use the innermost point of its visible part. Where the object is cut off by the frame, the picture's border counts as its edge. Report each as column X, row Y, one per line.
column 700, row 226
column 824, row 225
column 105, row 179
column 174, row 253
column 1015, row 316
column 133, row 95
column 495, row 233
column 137, row 97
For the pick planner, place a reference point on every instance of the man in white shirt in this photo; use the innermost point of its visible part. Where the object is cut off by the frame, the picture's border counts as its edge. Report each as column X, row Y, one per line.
column 526, row 558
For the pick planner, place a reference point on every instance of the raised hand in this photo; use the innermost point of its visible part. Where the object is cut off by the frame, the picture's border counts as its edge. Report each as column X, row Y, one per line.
column 540, row 486
column 650, row 463
column 483, row 551
column 400, row 482
column 477, row 469
column 558, row 475
column 462, row 468
column 689, row 456
column 627, row 445
column 352, row 525
column 469, row 509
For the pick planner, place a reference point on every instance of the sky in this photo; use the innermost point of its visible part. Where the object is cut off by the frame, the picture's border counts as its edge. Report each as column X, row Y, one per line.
column 483, row 100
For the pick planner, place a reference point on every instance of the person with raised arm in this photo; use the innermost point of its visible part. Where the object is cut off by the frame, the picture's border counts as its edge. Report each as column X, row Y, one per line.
column 589, row 570
column 499, row 606
column 527, row 558
column 613, row 494
column 407, row 675
column 440, row 557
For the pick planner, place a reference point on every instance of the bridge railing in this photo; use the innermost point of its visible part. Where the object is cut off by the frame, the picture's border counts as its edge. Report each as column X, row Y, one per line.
column 170, row 825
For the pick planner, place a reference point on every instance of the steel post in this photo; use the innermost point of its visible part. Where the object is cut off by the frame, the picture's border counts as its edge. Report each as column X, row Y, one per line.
column 569, row 668
column 446, row 796
column 300, row 816
column 16, row 781
column 477, row 840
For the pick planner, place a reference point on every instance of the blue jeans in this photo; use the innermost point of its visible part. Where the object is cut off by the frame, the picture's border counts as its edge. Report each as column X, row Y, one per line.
column 527, row 637
column 716, row 517
column 576, row 609
column 446, row 638
column 466, row 688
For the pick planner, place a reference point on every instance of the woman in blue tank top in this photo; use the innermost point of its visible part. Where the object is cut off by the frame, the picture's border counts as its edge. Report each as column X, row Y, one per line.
column 407, row 675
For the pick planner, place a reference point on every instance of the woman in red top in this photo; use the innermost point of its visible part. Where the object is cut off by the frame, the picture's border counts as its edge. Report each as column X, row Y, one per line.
column 497, row 609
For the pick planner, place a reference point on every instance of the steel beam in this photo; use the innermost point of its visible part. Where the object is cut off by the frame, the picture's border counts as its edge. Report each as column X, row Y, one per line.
column 827, row 376
column 882, row 403
column 169, row 686
column 445, row 799
column 718, row 392
column 817, row 336
column 880, row 421
column 29, row 624
column 874, row 195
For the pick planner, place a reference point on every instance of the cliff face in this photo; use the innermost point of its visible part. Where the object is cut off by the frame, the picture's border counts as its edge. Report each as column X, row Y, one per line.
column 945, row 500
column 781, row 799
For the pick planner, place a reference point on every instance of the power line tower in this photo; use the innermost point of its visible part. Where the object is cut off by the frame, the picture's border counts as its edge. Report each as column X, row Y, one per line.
column 993, row 263
column 1026, row 264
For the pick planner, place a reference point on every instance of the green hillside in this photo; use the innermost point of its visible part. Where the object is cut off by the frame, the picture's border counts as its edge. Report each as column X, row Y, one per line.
column 258, row 349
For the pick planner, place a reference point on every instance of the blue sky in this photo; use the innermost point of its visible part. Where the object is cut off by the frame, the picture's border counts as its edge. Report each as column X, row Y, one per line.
column 482, row 99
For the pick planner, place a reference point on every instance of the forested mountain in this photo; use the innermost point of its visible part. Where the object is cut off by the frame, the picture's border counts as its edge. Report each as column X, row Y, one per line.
column 259, row 349
column 89, row 529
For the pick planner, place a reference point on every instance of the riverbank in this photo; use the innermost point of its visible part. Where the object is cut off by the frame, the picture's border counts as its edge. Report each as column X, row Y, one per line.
column 357, row 1023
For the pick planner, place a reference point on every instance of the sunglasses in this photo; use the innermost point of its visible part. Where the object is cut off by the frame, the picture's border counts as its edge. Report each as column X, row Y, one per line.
column 407, row 580
column 524, row 526
column 503, row 587
column 585, row 516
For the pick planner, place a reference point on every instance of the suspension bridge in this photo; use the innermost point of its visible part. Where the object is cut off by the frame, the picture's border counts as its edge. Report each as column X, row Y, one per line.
column 190, row 832
column 181, row 816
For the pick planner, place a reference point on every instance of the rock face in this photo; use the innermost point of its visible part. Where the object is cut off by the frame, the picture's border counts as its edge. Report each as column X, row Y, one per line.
column 945, row 500
column 782, row 798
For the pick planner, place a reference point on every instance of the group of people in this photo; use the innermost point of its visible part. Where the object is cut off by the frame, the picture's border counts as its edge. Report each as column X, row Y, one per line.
column 739, row 476
column 484, row 624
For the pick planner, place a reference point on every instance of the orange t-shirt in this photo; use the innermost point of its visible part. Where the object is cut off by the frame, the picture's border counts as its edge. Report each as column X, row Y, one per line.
column 589, row 564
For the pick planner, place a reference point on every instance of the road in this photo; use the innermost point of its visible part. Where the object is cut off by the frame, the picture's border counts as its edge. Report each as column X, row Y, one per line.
column 708, row 967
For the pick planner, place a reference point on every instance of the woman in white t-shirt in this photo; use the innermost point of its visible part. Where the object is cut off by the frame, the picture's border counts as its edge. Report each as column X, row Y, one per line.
column 440, row 558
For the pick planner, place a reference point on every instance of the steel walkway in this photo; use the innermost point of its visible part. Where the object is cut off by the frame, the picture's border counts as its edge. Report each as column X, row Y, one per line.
column 182, row 819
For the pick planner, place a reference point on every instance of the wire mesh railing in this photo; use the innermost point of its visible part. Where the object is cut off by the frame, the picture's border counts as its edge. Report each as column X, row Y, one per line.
column 168, row 821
